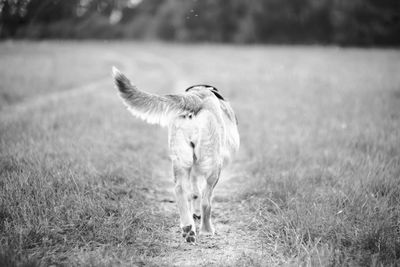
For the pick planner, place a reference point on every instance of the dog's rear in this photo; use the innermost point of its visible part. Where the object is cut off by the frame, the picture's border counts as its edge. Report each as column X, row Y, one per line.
column 203, row 136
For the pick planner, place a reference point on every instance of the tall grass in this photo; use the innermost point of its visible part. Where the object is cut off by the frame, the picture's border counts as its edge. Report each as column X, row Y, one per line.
column 56, row 202
column 325, row 180
column 74, row 175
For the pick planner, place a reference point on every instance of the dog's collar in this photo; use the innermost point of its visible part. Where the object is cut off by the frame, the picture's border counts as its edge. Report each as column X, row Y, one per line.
column 211, row 88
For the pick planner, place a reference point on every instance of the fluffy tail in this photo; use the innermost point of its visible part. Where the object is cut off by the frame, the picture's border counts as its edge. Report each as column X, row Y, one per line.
column 122, row 83
column 153, row 108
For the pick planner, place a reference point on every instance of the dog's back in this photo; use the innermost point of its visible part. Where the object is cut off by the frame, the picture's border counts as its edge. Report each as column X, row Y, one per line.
column 202, row 124
column 208, row 137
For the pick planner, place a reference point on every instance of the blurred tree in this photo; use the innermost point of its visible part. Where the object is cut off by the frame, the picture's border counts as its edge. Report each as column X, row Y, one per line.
column 12, row 15
column 366, row 22
column 356, row 22
column 48, row 11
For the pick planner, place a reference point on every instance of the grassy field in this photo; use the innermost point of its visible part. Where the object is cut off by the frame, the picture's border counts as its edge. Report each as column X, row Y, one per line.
column 316, row 181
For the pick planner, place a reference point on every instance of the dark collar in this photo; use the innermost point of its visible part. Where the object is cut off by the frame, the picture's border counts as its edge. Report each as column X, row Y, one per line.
column 211, row 88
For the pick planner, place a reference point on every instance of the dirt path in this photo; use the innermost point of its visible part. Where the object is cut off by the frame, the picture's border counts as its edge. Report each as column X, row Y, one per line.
column 236, row 238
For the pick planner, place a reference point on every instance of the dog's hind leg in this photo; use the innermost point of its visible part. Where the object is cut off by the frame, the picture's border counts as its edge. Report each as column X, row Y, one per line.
column 206, row 227
column 208, row 164
column 181, row 177
column 195, row 196
column 181, row 153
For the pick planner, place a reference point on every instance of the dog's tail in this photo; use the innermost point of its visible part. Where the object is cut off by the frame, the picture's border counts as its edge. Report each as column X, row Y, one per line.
column 153, row 108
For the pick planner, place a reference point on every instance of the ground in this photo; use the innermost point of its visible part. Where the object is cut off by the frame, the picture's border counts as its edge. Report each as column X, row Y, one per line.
column 85, row 183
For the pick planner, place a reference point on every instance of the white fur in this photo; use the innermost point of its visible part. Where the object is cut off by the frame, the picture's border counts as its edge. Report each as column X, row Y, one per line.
column 202, row 135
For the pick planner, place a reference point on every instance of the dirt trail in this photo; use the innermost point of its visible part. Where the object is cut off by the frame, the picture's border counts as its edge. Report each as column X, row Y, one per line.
column 236, row 236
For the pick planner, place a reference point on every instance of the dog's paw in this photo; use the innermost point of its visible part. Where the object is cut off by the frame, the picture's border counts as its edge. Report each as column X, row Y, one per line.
column 189, row 234
column 196, row 217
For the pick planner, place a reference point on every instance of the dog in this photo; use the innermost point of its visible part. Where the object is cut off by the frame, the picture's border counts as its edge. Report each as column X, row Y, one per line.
column 202, row 135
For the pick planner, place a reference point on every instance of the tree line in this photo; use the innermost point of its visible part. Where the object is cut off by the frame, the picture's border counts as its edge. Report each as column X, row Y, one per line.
column 343, row 22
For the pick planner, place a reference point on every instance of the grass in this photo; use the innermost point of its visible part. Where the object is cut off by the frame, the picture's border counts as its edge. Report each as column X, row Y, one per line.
column 327, row 166
column 320, row 131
